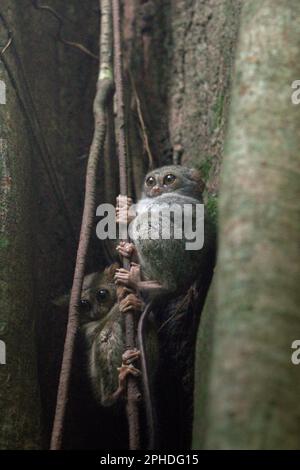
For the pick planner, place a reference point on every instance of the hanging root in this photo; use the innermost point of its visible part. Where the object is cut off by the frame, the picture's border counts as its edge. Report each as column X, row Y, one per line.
column 104, row 94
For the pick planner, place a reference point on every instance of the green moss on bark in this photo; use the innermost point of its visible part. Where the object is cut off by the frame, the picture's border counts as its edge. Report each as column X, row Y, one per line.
column 252, row 399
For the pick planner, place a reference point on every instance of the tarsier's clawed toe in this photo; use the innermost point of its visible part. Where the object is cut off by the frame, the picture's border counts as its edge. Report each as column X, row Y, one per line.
column 126, row 249
column 124, row 201
column 127, row 368
column 130, row 356
column 124, row 372
column 122, row 277
column 121, row 216
column 122, row 209
column 131, row 303
column 130, row 278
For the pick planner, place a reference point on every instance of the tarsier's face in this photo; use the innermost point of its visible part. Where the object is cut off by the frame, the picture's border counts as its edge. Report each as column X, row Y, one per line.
column 172, row 178
column 98, row 295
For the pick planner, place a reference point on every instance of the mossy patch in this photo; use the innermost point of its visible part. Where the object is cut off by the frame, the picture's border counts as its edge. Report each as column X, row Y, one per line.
column 3, row 243
column 204, row 167
column 212, row 207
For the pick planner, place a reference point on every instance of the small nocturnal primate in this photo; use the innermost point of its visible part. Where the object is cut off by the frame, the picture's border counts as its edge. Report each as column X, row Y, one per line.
column 102, row 326
column 175, row 281
column 166, row 266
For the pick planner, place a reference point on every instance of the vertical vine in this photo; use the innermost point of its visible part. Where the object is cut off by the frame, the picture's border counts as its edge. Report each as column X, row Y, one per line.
column 105, row 88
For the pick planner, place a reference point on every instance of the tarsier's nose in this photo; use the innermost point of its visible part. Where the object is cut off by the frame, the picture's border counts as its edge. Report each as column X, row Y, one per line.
column 156, row 190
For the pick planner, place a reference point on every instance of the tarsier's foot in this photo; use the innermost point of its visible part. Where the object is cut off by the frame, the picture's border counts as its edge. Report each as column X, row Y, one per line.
column 130, row 356
column 126, row 249
column 123, row 215
column 124, row 372
column 131, row 303
column 126, row 369
column 123, row 292
column 130, row 278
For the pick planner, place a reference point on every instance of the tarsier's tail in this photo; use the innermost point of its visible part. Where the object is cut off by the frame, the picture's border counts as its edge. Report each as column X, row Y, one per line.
column 149, row 406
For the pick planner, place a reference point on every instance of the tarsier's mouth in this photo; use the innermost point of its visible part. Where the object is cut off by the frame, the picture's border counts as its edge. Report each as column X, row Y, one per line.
column 156, row 192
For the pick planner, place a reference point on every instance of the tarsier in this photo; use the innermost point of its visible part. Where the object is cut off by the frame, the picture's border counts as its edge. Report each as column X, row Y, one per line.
column 165, row 266
column 103, row 328
column 167, row 270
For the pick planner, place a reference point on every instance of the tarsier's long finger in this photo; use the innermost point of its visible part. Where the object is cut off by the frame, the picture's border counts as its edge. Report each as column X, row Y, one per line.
column 121, row 211
column 121, row 282
column 134, row 371
column 126, row 246
column 121, row 278
column 129, row 307
column 124, row 201
column 123, row 252
column 121, row 197
column 131, row 302
column 119, row 275
column 121, row 271
column 130, row 355
column 122, row 292
column 125, row 370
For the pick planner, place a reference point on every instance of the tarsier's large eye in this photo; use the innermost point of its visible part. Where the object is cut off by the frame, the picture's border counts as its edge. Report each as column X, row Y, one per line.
column 102, row 295
column 150, row 181
column 169, row 179
column 84, row 306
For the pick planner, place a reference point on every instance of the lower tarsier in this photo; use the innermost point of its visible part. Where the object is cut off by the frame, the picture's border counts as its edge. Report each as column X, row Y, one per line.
column 174, row 281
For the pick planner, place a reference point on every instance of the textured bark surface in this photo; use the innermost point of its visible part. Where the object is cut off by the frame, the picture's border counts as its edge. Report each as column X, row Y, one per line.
column 203, row 360
column 19, row 396
column 253, row 396
column 38, row 249
column 181, row 53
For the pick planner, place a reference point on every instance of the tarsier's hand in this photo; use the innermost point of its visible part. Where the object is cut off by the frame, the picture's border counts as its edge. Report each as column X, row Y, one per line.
column 130, row 278
column 123, row 215
column 127, row 250
column 127, row 368
column 131, row 303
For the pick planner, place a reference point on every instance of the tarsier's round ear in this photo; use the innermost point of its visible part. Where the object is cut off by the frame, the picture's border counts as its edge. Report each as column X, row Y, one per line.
column 110, row 271
column 195, row 175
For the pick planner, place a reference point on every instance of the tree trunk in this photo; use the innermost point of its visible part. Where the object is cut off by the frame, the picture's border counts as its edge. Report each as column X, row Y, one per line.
column 20, row 406
column 252, row 395
column 45, row 129
column 180, row 54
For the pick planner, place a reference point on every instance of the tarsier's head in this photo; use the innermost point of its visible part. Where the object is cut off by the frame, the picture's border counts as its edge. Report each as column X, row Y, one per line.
column 173, row 178
column 98, row 295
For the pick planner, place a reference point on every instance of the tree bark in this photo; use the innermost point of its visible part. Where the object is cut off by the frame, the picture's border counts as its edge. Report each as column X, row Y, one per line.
column 20, row 406
column 180, row 54
column 47, row 119
column 252, row 400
